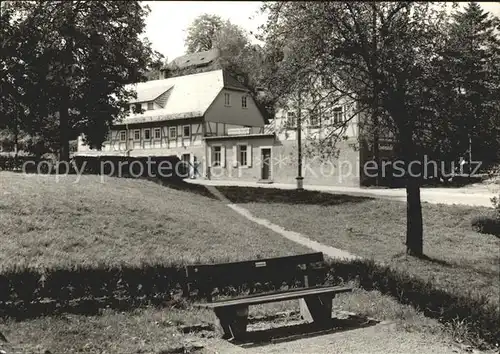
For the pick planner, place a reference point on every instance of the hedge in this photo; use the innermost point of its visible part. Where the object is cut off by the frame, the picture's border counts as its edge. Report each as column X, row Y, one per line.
column 31, row 292
column 482, row 316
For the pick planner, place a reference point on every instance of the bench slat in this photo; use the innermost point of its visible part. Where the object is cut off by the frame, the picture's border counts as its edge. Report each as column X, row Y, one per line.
column 240, row 268
column 275, row 297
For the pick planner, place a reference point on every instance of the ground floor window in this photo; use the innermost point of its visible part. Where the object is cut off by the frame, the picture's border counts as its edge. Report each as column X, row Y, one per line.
column 157, row 133
column 242, row 155
column 216, row 156
column 123, row 135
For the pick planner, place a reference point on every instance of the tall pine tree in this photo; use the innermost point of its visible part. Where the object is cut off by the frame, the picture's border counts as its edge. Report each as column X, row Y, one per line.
column 473, row 62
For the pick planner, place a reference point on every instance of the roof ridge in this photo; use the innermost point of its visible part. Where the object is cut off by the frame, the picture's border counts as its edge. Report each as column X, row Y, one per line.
column 177, row 77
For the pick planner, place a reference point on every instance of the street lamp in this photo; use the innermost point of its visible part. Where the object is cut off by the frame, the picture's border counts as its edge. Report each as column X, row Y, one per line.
column 299, row 178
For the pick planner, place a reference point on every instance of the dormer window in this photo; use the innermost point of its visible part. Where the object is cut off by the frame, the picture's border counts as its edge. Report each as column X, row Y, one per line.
column 151, row 106
column 137, row 108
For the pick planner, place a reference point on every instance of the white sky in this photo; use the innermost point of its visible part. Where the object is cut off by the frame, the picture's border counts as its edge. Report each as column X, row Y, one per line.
column 167, row 23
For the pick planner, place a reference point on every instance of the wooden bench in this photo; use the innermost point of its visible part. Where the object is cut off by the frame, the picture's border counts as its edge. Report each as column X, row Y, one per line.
column 307, row 270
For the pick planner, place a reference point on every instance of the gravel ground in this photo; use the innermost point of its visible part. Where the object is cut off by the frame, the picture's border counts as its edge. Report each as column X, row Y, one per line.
column 383, row 338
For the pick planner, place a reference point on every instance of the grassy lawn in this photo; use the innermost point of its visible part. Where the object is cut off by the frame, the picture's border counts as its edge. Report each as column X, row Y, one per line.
column 58, row 223
column 154, row 330
column 459, row 259
column 147, row 330
column 48, row 222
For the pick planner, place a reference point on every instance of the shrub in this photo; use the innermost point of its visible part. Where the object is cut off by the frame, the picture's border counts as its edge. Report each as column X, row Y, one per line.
column 486, row 224
column 447, row 306
column 496, row 204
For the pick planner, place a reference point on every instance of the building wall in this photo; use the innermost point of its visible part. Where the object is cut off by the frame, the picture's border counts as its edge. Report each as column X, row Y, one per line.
column 234, row 113
column 344, row 170
column 223, row 129
column 230, row 169
column 286, row 132
column 165, row 140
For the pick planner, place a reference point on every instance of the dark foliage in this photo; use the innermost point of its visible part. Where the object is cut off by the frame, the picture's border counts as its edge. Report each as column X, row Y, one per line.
column 486, row 225
column 480, row 315
column 30, row 292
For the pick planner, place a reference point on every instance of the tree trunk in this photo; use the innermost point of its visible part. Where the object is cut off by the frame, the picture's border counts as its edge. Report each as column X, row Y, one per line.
column 414, row 224
column 63, row 131
column 376, row 147
column 16, row 141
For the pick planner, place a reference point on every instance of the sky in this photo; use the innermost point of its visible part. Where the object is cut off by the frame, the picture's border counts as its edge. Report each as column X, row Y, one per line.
column 167, row 23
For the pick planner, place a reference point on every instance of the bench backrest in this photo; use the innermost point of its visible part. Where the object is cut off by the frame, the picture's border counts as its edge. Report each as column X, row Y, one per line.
column 246, row 272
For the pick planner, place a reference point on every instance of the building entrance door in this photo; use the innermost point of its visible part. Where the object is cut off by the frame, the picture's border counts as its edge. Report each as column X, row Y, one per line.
column 266, row 164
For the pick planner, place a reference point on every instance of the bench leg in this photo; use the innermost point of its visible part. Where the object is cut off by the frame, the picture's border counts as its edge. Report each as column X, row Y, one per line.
column 233, row 321
column 317, row 308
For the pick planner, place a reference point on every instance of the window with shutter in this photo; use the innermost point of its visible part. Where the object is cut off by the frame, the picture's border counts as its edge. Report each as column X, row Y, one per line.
column 242, row 155
column 217, row 156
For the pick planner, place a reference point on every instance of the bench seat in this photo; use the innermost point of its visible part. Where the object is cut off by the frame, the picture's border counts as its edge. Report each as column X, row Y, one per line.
column 233, row 313
column 276, row 296
column 309, row 270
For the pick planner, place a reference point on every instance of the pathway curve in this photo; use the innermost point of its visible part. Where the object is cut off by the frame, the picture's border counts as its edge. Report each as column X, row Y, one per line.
column 331, row 252
column 380, row 338
column 479, row 195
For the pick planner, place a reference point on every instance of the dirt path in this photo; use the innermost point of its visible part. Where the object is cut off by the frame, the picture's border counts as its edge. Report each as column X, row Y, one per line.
column 379, row 339
column 296, row 237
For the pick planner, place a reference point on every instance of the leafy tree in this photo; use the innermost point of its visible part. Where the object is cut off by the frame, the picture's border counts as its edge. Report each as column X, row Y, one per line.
column 202, row 32
column 379, row 55
column 245, row 61
column 70, row 62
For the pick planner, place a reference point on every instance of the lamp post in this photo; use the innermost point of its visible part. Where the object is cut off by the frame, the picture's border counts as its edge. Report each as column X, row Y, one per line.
column 299, row 178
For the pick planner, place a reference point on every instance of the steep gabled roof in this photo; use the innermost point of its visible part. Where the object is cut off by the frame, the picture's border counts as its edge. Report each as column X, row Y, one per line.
column 195, row 59
column 150, row 93
column 189, row 97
